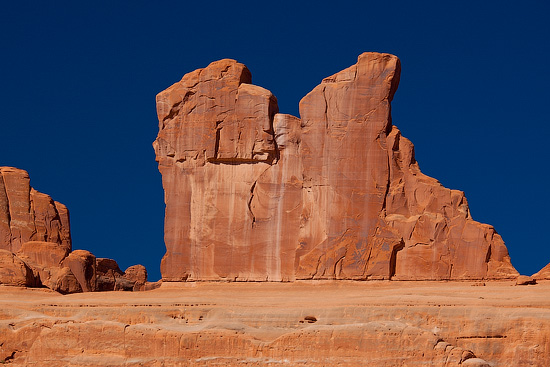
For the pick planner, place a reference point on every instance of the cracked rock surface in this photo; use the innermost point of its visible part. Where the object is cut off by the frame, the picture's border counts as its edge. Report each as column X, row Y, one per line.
column 255, row 195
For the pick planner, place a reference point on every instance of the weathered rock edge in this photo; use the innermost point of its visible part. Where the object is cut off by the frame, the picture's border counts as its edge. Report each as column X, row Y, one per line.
column 254, row 195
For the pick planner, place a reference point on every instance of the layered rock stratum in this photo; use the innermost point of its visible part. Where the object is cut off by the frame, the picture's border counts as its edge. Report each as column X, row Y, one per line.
column 255, row 195
column 304, row 323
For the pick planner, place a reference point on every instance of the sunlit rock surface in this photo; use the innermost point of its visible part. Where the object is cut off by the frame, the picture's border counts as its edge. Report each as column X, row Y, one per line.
column 298, row 324
column 29, row 215
column 254, row 195
column 544, row 273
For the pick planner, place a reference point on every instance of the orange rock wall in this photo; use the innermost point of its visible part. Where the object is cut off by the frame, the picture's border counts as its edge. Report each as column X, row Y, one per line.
column 28, row 215
column 252, row 194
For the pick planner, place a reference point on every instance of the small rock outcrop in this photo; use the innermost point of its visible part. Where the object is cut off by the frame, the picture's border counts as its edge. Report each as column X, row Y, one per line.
column 252, row 194
column 82, row 265
column 35, row 244
column 137, row 275
column 544, row 273
column 525, row 280
column 111, row 278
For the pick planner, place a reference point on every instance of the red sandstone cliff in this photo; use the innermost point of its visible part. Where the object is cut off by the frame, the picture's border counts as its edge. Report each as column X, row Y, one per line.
column 28, row 215
column 252, row 194
column 35, row 244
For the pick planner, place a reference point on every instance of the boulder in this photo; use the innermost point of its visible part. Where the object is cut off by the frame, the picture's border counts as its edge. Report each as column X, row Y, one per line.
column 107, row 273
column 107, row 266
column 111, row 278
column 254, row 195
column 62, row 280
column 525, row 280
column 82, row 265
column 136, row 274
column 149, row 286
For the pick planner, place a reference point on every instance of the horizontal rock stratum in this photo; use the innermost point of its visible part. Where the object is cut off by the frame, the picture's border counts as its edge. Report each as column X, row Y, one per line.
column 299, row 324
column 255, row 195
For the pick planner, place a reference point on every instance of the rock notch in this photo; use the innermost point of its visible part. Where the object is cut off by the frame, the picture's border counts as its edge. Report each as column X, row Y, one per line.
column 254, row 195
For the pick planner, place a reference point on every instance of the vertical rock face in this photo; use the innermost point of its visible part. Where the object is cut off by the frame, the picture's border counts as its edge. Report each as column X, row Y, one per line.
column 252, row 194
column 28, row 215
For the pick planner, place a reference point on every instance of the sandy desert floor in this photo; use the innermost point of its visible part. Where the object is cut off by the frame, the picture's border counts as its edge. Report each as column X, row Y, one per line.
column 378, row 323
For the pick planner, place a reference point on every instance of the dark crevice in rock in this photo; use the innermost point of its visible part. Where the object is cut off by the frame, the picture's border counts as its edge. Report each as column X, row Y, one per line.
column 7, row 211
column 250, row 203
column 393, row 257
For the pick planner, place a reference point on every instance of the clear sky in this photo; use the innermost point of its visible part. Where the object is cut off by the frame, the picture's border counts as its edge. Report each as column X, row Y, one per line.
column 79, row 79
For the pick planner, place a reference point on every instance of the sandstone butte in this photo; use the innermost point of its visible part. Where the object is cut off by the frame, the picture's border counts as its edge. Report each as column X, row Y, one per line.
column 36, row 248
column 255, row 195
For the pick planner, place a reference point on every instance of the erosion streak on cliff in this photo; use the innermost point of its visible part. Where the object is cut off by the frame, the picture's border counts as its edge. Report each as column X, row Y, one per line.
column 252, row 194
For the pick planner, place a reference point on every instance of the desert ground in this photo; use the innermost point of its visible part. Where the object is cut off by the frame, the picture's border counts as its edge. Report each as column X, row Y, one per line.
column 319, row 323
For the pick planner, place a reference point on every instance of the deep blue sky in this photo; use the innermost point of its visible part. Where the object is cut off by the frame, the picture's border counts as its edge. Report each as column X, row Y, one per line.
column 79, row 79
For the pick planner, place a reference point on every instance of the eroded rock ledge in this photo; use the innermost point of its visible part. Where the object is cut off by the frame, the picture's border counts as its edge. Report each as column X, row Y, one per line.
column 254, row 195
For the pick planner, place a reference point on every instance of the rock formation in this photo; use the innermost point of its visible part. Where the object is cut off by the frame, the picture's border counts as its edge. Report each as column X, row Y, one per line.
column 111, row 278
column 82, row 264
column 525, row 280
column 544, row 273
column 28, row 215
column 14, row 271
column 35, row 243
column 252, row 194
